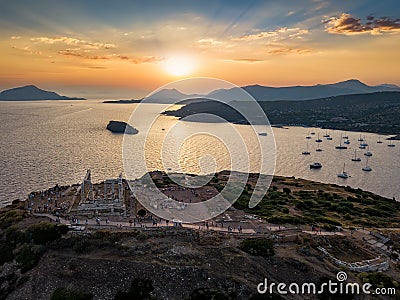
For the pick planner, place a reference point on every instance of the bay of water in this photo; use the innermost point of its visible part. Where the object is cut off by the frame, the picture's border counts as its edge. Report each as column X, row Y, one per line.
column 43, row 143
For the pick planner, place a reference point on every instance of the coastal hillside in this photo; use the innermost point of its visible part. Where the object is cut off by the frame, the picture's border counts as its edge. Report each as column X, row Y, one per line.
column 313, row 231
column 374, row 112
column 31, row 92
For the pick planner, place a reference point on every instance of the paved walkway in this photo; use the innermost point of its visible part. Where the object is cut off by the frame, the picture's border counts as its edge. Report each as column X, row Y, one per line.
column 119, row 224
column 123, row 224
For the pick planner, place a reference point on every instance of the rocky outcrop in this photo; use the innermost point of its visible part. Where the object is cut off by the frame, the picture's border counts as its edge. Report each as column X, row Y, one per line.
column 121, row 127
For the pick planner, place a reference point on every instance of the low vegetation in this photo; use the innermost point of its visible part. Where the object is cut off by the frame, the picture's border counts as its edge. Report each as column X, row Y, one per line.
column 297, row 201
column 25, row 245
column 259, row 247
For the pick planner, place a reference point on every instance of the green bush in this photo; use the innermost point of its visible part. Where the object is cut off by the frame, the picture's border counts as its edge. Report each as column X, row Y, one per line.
column 141, row 236
column 378, row 279
column 285, row 210
column 28, row 256
column 7, row 254
column 15, row 236
column 11, row 217
column 66, row 294
column 44, row 232
column 258, row 247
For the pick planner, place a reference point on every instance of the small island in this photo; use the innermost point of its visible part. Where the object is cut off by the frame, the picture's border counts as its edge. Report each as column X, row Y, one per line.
column 121, row 127
column 31, row 92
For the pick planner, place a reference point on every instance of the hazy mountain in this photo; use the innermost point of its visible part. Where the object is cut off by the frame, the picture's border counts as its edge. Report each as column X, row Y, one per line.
column 169, row 96
column 265, row 93
column 31, row 92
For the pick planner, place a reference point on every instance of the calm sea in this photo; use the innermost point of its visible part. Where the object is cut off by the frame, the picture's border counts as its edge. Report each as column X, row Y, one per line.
column 44, row 143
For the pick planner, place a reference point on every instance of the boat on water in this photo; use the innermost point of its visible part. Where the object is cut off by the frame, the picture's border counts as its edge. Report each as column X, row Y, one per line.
column 340, row 144
column 367, row 168
column 316, row 165
column 355, row 158
column 344, row 173
column 368, row 153
column 307, row 152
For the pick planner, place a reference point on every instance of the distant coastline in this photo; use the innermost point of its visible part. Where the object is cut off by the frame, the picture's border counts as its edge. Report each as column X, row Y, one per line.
column 123, row 101
column 349, row 112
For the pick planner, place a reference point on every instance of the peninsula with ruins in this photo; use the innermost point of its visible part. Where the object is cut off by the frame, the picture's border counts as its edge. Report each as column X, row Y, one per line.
column 97, row 241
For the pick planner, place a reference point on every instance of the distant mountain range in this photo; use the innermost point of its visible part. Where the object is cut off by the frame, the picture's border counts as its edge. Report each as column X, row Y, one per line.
column 266, row 93
column 31, row 92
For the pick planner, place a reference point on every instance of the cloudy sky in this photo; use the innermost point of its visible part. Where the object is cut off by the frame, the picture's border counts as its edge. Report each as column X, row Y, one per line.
column 128, row 48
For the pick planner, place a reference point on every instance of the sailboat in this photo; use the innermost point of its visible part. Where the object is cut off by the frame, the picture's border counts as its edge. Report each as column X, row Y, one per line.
column 318, row 149
column 360, row 139
column 347, row 142
column 318, row 140
column 391, row 144
column 346, row 137
column 368, row 153
column 344, row 173
column 379, row 140
column 367, row 168
column 306, row 152
column 355, row 156
column 340, row 145
column 326, row 135
column 308, row 137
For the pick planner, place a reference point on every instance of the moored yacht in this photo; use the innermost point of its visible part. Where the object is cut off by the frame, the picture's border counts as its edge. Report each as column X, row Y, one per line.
column 355, row 156
column 367, row 168
column 344, row 173
column 316, row 165
column 340, row 144
column 306, row 152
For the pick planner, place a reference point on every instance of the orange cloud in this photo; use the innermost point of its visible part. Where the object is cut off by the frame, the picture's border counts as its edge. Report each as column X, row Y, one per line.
column 249, row 60
column 73, row 41
column 282, row 32
column 348, row 25
column 85, row 55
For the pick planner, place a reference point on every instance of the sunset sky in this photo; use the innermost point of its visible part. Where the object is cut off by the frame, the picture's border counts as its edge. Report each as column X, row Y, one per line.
column 125, row 49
